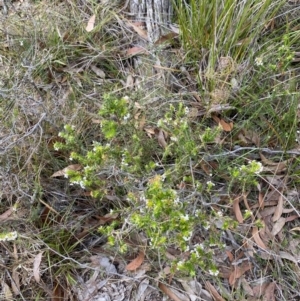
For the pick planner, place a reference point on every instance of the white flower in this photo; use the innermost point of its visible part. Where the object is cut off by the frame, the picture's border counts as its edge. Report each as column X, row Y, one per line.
column 184, row 123
column 248, row 212
column 210, row 183
column 8, row 236
column 185, row 217
column 81, row 183
column 126, row 117
column 143, row 198
column 187, row 110
column 213, row 272
column 176, row 201
column 258, row 61
column 196, row 252
column 175, row 139
column 206, row 226
column 180, row 264
column 257, row 166
column 243, row 167
column 201, row 246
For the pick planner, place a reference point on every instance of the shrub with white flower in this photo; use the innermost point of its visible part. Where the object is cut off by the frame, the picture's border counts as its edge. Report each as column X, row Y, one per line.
column 210, row 185
column 8, row 236
column 258, row 61
column 213, row 272
column 256, row 167
column 119, row 159
column 246, row 174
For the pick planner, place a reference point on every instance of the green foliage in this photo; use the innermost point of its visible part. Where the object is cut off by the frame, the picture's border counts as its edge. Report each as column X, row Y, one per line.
column 246, row 175
column 162, row 214
column 154, row 181
column 222, row 28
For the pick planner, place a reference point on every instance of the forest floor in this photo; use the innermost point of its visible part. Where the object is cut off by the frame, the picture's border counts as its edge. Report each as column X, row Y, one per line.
column 139, row 170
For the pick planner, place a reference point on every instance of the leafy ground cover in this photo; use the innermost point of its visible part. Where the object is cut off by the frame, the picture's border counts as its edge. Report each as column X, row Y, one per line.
column 133, row 170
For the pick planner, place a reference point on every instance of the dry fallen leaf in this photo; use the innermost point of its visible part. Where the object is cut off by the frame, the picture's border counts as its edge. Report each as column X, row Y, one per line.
column 129, row 82
column 227, row 127
column 140, row 293
column 142, row 122
column 99, row 72
column 291, row 217
column 36, row 267
column 246, row 286
column 172, row 294
column 149, row 131
column 253, row 136
column 62, row 172
column 285, row 255
column 279, row 208
column 267, row 211
column 4, row 216
column 136, row 263
column 273, row 167
column 160, row 135
column 58, row 293
column 245, row 199
column 97, row 121
column 142, row 33
column 257, row 239
column 188, row 290
column 213, row 291
column 269, row 292
column 238, row 271
column 206, row 167
column 229, row 255
column 15, row 284
column 278, row 226
column 166, row 38
column 259, row 289
column 135, row 50
column 295, row 229
column 237, row 210
column 261, row 200
column 214, row 108
column 6, row 292
column 91, row 23
column 266, row 161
